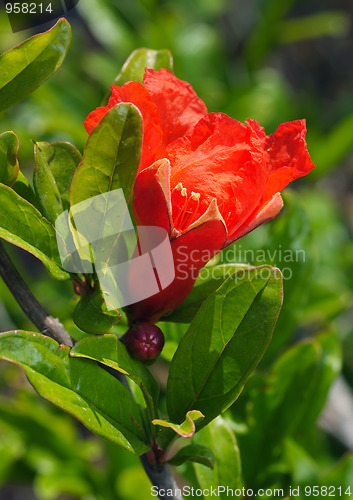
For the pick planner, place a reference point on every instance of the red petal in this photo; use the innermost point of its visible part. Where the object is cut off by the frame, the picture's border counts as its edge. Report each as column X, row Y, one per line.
column 135, row 93
column 95, row 117
column 221, row 159
column 179, row 107
column 287, row 156
column 191, row 251
column 262, row 214
column 151, row 200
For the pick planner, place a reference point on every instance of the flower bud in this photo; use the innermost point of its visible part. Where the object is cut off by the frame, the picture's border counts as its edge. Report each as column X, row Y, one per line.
column 145, row 341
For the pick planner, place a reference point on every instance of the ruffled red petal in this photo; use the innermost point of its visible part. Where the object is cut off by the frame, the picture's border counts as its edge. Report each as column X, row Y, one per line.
column 135, row 93
column 263, row 213
column 222, row 159
column 95, row 117
column 179, row 107
column 285, row 153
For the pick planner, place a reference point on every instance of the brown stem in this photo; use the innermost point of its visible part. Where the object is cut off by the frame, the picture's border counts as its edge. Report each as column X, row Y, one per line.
column 29, row 304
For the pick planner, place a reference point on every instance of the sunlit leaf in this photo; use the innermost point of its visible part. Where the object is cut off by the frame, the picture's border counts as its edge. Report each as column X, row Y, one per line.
column 23, row 225
column 78, row 386
column 25, row 67
column 8, row 158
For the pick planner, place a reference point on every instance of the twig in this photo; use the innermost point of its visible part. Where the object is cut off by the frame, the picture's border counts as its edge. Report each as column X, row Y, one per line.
column 159, row 474
column 29, row 304
column 161, row 477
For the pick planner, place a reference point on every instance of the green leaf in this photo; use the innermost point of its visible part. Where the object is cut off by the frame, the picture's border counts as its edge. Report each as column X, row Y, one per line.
column 289, row 247
column 78, row 386
column 8, row 158
column 108, row 350
column 22, row 187
column 341, row 475
column 218, row 437
column 329, row 367
column 209, row 279
column 289, row 400
column 194, row 453
column 134, row 67
column 303, row 469
column 112, row 155
column 224, row 343
column 54, row 169
column 23, row 225
column 185, row 429
column 92, row 316
column 45, row 187
column 25, row 67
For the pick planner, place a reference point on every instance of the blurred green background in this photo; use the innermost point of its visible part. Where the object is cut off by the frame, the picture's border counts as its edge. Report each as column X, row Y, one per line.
column 271, row 60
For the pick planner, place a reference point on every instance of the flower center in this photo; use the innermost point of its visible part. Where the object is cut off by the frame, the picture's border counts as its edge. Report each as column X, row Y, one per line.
column 185, row 207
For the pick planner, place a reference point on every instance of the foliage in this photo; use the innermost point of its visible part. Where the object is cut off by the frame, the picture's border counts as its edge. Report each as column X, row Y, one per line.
column 260, row 434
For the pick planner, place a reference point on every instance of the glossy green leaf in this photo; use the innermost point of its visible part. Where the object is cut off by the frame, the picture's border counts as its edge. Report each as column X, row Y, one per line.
column 209, row 279
column 92, row 316
column 8, row 158
column 134, row 67
column 224, row 343
column 185, row 429
column 111, row 156
column 23, row 225
column 25, row 67
column 108, row 350
column 78, row 386
column 194, row 453
column 54, row 169
column 22, row 187
column 45, row 187
column 227, row 470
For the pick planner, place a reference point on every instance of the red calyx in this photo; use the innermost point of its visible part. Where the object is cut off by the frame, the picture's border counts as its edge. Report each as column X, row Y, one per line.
column 145, row 341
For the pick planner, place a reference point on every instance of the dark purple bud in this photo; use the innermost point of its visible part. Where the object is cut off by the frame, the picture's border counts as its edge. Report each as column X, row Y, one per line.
column 145, row 341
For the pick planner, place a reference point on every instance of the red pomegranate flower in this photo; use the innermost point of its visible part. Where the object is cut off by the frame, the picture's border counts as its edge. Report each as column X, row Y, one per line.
column 206, row 178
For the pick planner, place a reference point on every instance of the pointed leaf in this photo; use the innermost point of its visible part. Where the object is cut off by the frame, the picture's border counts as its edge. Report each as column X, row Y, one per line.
column 54, row 169
column 22, row 187
column 112, row 155
column 92, row 316
column 23, row 225
column 227, row 471
column 194, row 453
column 45, row 187
column 209, row 279
column 25, row 67
column 8, row 158
column 224, row 343
column 134, row 67
column 108, row 350
column 187, row 428
column 78, row 386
